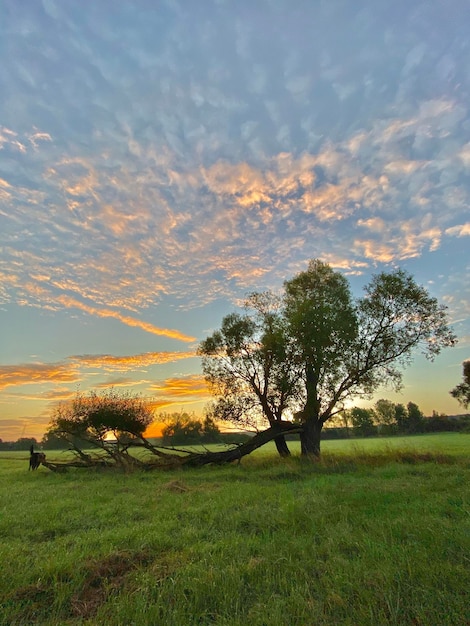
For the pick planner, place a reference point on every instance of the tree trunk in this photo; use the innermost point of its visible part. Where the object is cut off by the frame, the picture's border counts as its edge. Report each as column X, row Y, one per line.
column 281, row 446
column 310, row 437
column 237, row 453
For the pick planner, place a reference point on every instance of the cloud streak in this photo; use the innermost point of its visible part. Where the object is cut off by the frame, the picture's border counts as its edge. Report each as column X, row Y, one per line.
column 187, row 388
column 110, row 363
column 37, row 373
column 70, row 302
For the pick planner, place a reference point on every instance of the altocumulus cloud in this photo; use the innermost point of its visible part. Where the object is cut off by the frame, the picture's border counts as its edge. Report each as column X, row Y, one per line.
column 294, row 156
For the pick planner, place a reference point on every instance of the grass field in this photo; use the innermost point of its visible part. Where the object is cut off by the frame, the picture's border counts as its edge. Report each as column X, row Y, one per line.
column 376, row 533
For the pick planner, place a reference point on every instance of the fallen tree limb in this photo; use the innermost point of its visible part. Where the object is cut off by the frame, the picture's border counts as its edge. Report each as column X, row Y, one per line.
column 168, row 458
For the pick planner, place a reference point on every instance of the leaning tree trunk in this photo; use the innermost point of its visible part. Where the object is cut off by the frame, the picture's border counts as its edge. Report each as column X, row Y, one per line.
column 281, row 446
column 238, row 452
column 280, row 440
column 310, row 437
column 173, row 458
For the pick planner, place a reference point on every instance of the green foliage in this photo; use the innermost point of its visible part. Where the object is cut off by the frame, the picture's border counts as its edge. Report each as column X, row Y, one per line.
column 321, row 320
column 401, row 417
column 385, row 413
column 415, row 419
column 51, row 441
column 248, row 367
column 462, row 392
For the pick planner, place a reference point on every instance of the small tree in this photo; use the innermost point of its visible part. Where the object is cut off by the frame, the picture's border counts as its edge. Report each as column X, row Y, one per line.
column 462, row 392
column 415, row 420
column 184, row 429
column 108, row 420
column 385, row 413
column 401, row 417
column 50, row 441
column 210, row 430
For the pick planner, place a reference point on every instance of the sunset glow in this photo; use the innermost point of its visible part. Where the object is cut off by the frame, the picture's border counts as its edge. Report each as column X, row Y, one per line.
column 160, row 161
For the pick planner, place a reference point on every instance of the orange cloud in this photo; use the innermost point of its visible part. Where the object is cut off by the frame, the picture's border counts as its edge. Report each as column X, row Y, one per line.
column 119, row 382
column 36, row 373
column 109, row 362
column 54, row 394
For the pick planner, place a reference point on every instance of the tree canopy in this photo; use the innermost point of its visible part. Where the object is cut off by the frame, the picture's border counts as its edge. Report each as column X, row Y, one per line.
column 321, row 347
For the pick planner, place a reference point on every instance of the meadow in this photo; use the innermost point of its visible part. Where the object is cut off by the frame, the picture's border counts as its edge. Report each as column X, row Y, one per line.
column 377, row 532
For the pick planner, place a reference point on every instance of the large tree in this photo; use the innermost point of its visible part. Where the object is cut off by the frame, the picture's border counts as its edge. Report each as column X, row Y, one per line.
column 248, row 366
column 324, row 347
column 322, row 330
column 348, row 348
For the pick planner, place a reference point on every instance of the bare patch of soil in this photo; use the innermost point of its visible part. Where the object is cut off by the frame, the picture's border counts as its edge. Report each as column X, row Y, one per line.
column 104, row 578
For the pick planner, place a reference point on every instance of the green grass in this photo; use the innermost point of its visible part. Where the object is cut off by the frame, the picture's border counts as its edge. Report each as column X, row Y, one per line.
column 376, row 533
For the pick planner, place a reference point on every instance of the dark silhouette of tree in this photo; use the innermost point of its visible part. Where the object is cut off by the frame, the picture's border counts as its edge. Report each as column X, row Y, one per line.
column 110, row 421
column 102, row 428
column 401, row 416
column 415, row 419
column 210, row 430
column 385, row 412
column 462, row 392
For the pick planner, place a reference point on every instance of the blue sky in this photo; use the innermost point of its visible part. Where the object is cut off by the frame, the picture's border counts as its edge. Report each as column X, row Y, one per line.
column 160, row 160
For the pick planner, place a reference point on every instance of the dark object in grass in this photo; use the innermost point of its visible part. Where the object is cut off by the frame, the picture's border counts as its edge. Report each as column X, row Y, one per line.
column 35, row 459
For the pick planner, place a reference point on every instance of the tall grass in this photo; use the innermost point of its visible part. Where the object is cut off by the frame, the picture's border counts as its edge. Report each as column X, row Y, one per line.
column 378, row 536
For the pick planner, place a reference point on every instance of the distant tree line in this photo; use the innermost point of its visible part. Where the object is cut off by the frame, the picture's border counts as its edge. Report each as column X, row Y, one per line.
column 187, row 429
column 180, row 428
column 23, row 443
column 385, row 418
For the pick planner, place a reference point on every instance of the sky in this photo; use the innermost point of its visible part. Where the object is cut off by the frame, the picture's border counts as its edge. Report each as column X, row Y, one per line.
column 159, row 160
